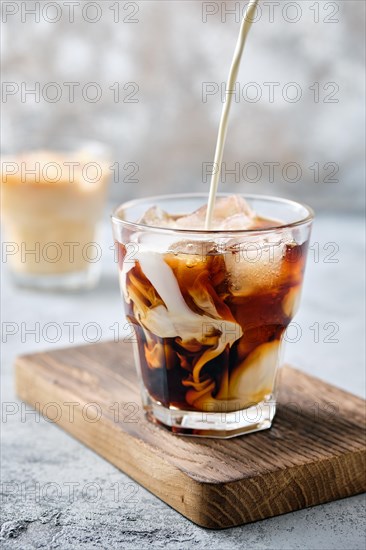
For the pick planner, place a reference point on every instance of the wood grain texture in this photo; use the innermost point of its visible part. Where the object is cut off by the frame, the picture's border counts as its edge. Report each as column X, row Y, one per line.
column 315, row 451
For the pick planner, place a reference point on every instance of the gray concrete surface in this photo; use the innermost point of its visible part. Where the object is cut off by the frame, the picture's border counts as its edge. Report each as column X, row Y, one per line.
column 58, row 494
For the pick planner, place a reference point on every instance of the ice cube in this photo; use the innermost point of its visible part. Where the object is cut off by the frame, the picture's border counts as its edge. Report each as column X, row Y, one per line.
column 233, row 208
column 156, row 217
column 201, row 249
column 237, row 222
column 254, row 265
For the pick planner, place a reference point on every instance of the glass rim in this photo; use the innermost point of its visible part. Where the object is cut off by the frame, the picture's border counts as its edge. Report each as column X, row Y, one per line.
column 184, row 231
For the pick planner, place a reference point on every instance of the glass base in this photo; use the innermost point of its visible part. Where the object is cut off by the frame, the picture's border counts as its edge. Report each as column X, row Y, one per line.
column 220, row 425
column 79, row 280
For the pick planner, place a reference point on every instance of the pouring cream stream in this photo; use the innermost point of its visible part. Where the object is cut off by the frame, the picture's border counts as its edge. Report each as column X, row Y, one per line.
column 221, row 138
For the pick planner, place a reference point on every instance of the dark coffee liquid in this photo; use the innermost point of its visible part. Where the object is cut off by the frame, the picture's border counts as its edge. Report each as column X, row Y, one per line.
column 262, row 310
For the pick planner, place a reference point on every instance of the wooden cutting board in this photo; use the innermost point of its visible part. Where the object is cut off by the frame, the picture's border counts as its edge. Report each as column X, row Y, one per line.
column 314, row 452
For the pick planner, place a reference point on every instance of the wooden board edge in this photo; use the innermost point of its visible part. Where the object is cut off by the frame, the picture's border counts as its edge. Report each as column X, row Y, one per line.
column 281, row 492
column 165, row 481
column 223, row 502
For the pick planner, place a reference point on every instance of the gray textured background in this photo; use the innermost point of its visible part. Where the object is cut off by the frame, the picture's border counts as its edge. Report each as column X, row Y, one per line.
column 169, row 52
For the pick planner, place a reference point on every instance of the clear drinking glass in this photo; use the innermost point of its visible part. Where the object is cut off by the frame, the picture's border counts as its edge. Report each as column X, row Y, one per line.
column 209, row 310
column 52, row 202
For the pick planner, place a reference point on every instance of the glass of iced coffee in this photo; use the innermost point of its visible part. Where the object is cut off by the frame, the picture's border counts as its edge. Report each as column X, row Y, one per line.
column 52, row 203
column 210, row 307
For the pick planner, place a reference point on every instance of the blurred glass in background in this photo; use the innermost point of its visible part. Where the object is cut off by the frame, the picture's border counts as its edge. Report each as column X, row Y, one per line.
column 52, row 206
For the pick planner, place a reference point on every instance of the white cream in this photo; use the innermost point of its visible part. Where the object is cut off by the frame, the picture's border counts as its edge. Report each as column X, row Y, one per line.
column 176, row 319
column 221, row 138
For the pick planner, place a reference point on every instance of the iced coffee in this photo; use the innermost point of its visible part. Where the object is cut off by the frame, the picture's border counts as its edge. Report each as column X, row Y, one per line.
column 210, row 308
column 210, row 284
column 52, row 203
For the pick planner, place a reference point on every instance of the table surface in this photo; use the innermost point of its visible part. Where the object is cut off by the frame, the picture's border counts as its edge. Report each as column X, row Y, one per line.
column 58, row 494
